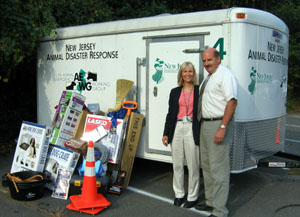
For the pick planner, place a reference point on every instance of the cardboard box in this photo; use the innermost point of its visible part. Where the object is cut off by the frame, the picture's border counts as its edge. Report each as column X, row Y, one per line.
column 32, row 147
column 112, row 140
column 59, row 158
column 77, row 145
column 131, row 143
column 81, row 123
column 66, row 117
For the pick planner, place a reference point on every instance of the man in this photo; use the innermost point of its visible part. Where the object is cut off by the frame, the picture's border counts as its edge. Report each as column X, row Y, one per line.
column 219, row 101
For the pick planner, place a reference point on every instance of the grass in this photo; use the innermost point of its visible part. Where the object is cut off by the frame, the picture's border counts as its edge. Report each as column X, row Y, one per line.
column 57, row 213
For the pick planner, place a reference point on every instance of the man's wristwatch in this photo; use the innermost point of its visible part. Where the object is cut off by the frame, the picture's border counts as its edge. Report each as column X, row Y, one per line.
column 223, row 126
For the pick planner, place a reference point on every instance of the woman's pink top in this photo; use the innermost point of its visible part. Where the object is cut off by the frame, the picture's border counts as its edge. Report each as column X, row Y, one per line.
column 185, row 100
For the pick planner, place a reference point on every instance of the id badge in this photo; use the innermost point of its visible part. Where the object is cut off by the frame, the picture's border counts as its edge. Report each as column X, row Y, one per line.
column 186, row 119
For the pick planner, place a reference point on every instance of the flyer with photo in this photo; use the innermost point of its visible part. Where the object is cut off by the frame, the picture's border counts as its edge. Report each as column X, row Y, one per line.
column 59, row 158
column 62, row 184
column 32, row 147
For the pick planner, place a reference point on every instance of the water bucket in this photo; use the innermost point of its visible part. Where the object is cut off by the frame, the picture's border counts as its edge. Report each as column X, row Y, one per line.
column 25, row 185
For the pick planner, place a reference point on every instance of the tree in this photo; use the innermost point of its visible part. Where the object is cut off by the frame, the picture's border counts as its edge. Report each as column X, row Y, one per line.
column 289, row 12
column 22, row 24
column 77, row 12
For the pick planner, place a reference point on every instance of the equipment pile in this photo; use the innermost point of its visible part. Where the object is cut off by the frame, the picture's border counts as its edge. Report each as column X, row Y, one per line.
column 82, row 151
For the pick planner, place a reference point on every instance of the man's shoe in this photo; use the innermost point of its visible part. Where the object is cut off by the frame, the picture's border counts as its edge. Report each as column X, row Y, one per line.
column 203, row 207
column 178, row 201
column 190, row 204
column 212, row 215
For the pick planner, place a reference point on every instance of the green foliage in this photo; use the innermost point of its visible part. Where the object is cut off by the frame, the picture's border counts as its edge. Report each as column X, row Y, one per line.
column 202, row 5
column 22, row 24
column 78, row 12
column 294, row 67
column 289, row 12
column 293, row 103
column 137, row 8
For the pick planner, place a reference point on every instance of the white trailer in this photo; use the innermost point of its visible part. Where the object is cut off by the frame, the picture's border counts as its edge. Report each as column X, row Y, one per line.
column 253, row 43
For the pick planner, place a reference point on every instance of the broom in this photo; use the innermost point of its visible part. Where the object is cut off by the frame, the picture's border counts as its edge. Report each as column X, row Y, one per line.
column 123, row 87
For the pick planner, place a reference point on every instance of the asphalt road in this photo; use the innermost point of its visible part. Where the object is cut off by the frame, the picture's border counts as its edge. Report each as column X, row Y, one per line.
column 292, row 140
column 261, row 192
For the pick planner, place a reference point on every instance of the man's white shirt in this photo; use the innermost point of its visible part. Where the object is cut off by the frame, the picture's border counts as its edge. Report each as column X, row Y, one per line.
column 221, row 87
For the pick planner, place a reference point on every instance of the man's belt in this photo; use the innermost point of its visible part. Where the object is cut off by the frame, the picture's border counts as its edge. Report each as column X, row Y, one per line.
column 212, row 119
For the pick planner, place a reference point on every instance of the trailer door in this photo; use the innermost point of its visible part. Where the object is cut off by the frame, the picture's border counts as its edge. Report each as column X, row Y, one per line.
column 164, row 56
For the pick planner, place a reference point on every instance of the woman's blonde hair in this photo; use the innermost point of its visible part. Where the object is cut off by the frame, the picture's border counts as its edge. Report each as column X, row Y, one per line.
column 179, row 75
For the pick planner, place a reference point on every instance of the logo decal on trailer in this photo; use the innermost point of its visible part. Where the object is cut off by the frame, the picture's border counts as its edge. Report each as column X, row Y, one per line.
column 158, row 70
column 251, row 86
column 257, row 78
column 82, row 81
column 161, row 67
column 277, row 35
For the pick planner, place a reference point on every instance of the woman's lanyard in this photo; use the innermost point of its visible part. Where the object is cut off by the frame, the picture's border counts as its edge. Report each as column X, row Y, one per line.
column 187, row 117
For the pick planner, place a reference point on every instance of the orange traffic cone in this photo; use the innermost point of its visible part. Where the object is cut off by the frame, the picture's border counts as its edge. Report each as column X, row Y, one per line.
column 92, row 211
column 89, row 201
column 278, row 133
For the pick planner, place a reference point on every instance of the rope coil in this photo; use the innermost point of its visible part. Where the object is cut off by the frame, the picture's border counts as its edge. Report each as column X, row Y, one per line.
column 16, row 180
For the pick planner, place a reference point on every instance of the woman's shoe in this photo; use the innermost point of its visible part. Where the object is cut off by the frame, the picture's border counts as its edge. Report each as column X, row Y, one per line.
column 178, row 201
column 190, row 204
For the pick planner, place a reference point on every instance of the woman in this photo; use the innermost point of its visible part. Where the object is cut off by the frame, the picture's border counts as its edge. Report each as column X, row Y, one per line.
column 32, row 148
column 182, row 131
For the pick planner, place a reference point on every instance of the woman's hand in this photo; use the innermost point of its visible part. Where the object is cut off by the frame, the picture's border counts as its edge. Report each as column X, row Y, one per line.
column 165, row 140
